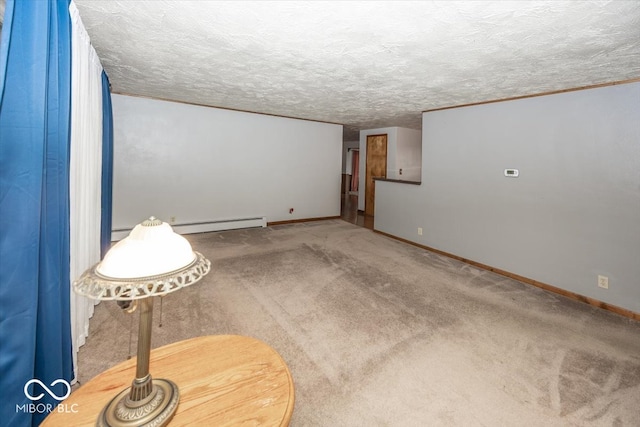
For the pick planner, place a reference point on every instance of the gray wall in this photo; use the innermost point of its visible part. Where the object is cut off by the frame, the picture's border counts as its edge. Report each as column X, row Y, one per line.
column 206, row 164
column 573, row 213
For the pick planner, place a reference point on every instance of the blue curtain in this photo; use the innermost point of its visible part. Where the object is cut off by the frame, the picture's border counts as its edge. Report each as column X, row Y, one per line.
column 107, row 166
column 35, row 332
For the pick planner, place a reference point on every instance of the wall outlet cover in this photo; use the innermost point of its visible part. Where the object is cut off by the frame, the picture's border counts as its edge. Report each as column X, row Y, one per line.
column 603, row 282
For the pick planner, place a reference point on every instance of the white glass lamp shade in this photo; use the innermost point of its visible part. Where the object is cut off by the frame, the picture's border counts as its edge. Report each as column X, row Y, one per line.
column 147, row 251
column 152, row 260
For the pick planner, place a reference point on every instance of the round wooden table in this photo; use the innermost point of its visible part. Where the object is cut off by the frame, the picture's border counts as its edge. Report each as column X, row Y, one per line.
column 224, row 380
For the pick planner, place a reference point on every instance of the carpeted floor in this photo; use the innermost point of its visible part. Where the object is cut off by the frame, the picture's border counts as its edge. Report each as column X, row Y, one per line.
column 380, row 333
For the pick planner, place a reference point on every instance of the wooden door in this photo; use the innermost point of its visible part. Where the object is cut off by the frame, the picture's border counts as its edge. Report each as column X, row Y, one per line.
column 376, row 168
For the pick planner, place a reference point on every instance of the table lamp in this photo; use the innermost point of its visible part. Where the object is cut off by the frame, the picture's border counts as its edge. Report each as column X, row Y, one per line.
column 151, row 261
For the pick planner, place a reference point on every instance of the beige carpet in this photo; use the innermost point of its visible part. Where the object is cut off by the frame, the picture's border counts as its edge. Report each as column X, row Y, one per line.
column 380, row 333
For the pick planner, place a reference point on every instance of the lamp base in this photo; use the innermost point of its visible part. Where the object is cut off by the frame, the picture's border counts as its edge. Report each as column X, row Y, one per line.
column 154, row 411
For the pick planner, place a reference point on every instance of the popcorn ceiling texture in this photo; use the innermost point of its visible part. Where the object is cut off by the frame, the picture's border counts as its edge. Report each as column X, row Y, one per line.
column 361, row 64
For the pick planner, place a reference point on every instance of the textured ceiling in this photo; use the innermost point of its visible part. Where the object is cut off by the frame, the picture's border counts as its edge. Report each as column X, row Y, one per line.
column 361, row 64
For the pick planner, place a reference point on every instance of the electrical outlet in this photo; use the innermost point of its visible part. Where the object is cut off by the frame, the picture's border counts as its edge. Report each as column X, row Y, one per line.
column 172, row 220
column 419, row 231
column 603, row 282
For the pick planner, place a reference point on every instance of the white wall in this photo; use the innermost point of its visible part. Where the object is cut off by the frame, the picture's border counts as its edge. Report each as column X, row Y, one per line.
column 574, row 212
column 408, row 155
column 200, row 164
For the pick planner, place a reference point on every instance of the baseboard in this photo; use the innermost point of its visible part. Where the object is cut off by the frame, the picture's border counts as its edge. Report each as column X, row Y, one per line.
column 203, row 226
column 295, row 221
column 572, row 295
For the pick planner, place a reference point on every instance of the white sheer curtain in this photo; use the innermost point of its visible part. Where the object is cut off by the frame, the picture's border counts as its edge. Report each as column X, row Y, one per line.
column 85, row 171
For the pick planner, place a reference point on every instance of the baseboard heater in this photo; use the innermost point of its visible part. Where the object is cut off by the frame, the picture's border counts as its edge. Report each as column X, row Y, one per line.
column 203, row 227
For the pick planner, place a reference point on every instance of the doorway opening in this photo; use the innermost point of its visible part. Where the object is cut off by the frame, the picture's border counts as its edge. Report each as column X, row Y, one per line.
column 355, row 172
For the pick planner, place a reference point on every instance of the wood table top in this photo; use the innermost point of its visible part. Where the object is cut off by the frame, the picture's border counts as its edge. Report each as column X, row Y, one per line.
column 224, row 380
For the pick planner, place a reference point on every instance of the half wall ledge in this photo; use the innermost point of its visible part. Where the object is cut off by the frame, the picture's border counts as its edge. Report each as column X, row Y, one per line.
column 400, row 181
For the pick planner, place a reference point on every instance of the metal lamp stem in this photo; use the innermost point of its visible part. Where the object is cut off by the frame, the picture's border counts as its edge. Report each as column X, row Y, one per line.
column 146, row 402
column 142, row 385
column 144, row 337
